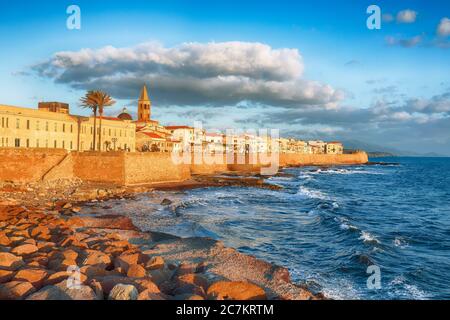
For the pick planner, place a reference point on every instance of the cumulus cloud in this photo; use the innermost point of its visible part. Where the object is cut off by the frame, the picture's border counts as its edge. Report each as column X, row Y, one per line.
column 443, row 28
column 193, row 74
column 387, row 17
column 406, row 16
column 405, row 43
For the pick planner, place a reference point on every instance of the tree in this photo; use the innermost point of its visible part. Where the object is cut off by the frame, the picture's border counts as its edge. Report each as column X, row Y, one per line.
column 97, row 101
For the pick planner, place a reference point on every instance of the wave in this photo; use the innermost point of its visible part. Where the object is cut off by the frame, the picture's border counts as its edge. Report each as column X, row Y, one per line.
column 400, row 242
column 311, row 193
column 399, row 287
column 368, row 238
column 345, row 171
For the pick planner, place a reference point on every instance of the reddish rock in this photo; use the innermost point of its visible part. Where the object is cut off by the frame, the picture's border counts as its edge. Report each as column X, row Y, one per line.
column 4, row 239
column 146, row 284
column 63, row 291
column 189, row 288
column 149, row 295
column 9, row 261
column 61, row 276
column 136, row 271
column 6, row 275
column 155, row 263
column 124, row 261
column 193, row 278
column 15, row 290
column 109, row 222
column 35, row 276
column 188, row 296
column 123, row 292
column 45, row 246
column 25, row 249
column 108, row 282
column 96, row 258
column 235, row 290
column 41, row 233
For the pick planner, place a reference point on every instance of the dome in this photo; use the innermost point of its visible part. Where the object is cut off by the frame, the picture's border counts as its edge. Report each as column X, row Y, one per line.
column 125, row 115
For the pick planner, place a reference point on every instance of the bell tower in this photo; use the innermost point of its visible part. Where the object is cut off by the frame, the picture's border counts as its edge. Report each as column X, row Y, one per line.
column 144, row 106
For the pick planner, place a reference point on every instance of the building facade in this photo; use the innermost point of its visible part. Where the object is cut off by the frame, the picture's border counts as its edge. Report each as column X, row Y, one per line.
column 52, row 126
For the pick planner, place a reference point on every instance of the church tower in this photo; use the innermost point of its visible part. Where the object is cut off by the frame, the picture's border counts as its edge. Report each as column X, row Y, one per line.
column 144, row 106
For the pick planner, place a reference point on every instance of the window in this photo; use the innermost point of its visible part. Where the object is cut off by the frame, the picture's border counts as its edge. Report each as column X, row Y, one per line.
column 71, row 128
column 28, row 124
column 37, row 125
column 71, row 145
column 64, row 127
column 46, row 143
column 55, row 144
column 17, row 143
column 28, row 143
column 56, row 127
column 46, row 126
column 64, row 144
column 17, row 123
column 37, row 143
column 3, row 122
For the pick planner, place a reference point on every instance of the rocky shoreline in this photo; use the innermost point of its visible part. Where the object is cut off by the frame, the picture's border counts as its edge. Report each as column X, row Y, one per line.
column 47, row 244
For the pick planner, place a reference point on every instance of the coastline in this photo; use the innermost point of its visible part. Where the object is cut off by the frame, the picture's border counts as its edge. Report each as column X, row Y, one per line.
column 167, row 267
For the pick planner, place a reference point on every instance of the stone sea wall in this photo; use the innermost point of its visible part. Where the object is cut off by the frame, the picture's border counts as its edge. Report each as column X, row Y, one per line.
column 32, row 165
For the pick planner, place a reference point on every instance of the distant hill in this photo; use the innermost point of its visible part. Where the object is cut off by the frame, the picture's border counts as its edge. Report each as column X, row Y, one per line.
column 382, row 151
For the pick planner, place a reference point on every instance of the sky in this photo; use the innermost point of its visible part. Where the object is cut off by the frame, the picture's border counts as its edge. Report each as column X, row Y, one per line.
column 312, row 69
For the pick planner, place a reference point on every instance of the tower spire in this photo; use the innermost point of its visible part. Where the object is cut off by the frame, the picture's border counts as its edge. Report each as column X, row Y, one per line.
column 144, row 106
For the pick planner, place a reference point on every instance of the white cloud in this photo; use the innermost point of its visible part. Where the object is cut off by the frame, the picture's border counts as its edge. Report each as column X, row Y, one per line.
column 443, row 28
column 194, row 74
column 406, row 43
column 406, row 16
column 387, row 17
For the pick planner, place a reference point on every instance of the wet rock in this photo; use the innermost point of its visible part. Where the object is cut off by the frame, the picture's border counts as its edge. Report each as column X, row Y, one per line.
column 64, row 291
column 123, row 292
column 166, row 202
column 235, row 290
column 9, row 261
column 15, row 290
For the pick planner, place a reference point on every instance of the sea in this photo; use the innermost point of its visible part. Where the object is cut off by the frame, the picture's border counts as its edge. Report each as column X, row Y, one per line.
column 379, row 231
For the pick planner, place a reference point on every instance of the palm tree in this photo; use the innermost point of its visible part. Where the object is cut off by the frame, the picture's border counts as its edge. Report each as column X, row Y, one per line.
column 97, row 101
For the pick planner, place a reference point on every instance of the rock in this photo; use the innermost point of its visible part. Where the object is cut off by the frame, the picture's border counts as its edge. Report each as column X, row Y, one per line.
column 76, row 209
column 4, row 239
column 25, row 249
column 149, row 295
column 109, row 282
column 62, row 291
column 159, row 276
column 6, row 276
column 58, row 277
column 155, row 263
column 9, row 261
column 123, row 292
column 235, row 290
column 187, row 268
column 107, row 222
column 143, row 284
column 166, row 202
column 15, row 290
column 97, row 258
column 136, row 271
column 189, row 288
column 124, row 261
column 34, row 276
column 193, row 278
column 41, row 233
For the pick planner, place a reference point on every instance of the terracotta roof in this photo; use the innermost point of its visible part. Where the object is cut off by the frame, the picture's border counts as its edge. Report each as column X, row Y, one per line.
column 334, row 142
column 153, row 135
column 178, row 127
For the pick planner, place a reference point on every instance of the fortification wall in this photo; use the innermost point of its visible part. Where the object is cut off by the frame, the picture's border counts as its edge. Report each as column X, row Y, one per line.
column 103, row 167
column 148, row 168
column 28, row 165
column 322, row 159
column 209, row 164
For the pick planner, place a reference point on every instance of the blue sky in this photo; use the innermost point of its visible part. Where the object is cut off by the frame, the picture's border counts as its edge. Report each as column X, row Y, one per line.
column 389, row 86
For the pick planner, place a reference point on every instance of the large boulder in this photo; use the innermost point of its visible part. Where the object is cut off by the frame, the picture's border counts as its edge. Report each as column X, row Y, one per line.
column 15, row 290
column 62, row 291
column 136, row 271
column 96, row 258
column 123, row 292
column 4, row 239
column 6, row 275
column 235, row 290
column 9, row 261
